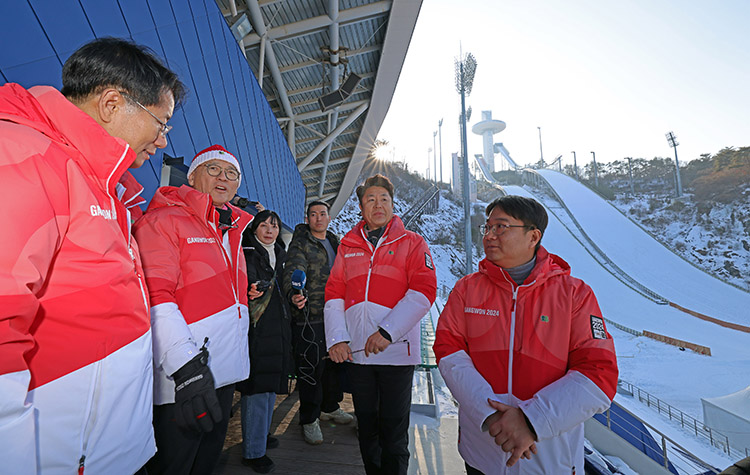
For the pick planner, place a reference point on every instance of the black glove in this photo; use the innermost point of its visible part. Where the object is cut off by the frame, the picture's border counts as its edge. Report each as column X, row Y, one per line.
column 196, row 406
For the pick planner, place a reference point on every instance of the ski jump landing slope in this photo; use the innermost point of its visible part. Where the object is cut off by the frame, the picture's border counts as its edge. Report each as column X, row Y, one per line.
column 647, row 260
column 627, row 307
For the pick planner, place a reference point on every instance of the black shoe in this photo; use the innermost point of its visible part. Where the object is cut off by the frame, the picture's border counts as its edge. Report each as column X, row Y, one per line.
column 260, row 465
column 271, row 442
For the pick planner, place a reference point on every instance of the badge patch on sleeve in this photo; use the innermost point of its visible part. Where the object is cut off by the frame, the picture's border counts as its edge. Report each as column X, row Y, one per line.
column 428, row 261
column 597, row 328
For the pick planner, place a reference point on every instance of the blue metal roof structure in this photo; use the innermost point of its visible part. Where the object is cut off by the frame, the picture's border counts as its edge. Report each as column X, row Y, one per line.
column 224, row 104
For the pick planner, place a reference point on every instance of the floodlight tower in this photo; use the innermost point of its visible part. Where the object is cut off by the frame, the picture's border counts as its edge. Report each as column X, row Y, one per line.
column 465, row 67
column 440, row 139
column 672, row 140
column 487, row 128
column 596, row 172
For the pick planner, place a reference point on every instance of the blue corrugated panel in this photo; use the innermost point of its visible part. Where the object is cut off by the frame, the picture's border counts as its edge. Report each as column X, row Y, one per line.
column 224, row 105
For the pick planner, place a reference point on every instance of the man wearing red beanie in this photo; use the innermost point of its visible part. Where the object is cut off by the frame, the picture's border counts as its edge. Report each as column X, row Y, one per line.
column 197, row 282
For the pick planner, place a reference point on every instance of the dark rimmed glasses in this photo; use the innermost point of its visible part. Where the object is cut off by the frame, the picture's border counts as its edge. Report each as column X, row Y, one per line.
column 215, row 170
column 165, row 128
column 498, row 229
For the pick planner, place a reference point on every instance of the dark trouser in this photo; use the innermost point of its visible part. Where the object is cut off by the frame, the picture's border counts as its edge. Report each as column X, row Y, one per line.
column 382, row 401
column 181, row 452
column 471, row 470
column 318, row 380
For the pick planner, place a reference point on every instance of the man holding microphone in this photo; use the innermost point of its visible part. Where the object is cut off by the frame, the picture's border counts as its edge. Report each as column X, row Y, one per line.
column 312, row 252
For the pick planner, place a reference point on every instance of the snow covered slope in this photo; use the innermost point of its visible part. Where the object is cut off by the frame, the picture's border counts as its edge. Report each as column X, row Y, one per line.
column 645, row 259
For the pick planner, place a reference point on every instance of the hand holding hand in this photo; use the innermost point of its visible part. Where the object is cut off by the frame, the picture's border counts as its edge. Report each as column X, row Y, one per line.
column 375, row 344
column 509, row 429
column 340, row 352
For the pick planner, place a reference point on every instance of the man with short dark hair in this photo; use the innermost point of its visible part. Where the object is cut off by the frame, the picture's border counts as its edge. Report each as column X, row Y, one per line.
column 313, row 251
column 75, row 339
column 523, row 348
column 381, row 285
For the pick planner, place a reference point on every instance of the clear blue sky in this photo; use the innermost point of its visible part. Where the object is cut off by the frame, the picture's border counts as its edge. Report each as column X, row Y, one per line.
column 602, row 75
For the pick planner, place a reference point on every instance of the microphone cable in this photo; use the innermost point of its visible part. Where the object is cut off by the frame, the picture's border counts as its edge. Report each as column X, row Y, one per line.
column 309, row 363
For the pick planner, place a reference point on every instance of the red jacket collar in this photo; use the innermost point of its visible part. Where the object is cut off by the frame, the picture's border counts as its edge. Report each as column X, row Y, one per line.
column 105, row 156
column 197, row 203
column 394, row 230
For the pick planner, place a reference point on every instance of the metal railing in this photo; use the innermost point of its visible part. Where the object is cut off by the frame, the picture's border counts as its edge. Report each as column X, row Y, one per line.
column 713, row 436
column 418, row 207
column 670, row 454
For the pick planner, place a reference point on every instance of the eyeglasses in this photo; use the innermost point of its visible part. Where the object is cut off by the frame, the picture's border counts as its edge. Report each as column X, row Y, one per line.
column 230, row 173
column 164, row 130
column 498, row 229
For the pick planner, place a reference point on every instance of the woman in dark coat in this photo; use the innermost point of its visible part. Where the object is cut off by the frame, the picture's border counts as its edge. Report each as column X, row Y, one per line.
column 269, row 339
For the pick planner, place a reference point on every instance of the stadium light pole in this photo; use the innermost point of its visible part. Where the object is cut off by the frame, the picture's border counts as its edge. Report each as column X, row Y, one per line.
column 440, row 142
column 672, row 140
column 434, row 154
column 427, row 174
column 541, row 153
column 575, row 165
column 465, row 67
column 596, row 172
column 630, row 174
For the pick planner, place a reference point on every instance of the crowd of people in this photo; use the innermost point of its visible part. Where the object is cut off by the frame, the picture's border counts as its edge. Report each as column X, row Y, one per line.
column 123, row 338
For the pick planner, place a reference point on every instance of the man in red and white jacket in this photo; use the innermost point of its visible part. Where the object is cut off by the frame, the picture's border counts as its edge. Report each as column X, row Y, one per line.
column 381, row 285
column 75, row 339
column 195, row 269
column 523, row 348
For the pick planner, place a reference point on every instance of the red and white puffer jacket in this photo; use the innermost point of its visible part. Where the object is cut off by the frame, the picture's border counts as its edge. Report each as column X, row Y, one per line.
column 541, row 346
column 75, row 339
column 197, row 280
column 391, row 285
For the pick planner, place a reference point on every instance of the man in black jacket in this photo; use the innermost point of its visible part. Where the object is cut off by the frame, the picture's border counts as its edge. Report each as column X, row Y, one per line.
column 313, row 250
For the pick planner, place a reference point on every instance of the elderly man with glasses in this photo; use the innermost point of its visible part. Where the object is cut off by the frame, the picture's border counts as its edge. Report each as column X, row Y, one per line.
column 523, row 347
column 197, row 281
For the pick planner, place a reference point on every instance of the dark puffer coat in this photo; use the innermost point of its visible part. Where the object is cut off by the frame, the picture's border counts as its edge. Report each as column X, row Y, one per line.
column 270, row 339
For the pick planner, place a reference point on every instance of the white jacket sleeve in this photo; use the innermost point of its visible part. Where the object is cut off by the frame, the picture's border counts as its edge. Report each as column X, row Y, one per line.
column 564, row 404
column 335, row 323
column 160, row 252
column 469, row 388
column 405, row 314
column 173, row 341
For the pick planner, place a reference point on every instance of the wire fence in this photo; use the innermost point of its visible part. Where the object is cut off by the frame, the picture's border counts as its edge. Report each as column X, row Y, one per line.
column 701, row 431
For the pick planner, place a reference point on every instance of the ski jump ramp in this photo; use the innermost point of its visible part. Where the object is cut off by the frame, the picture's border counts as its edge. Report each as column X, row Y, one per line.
column 647, row 260
column 627, row 307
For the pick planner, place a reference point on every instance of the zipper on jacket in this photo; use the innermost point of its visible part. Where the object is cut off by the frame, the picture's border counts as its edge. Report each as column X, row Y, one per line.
column 138, row 276
column 90, row 418
column 515, row 288
column 512, row 343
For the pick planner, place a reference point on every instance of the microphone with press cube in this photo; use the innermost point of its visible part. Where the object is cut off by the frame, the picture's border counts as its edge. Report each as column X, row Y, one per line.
column 299, row 280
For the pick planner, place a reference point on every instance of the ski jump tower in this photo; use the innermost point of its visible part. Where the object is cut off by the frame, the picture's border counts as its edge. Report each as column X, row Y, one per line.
column 487, row 128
